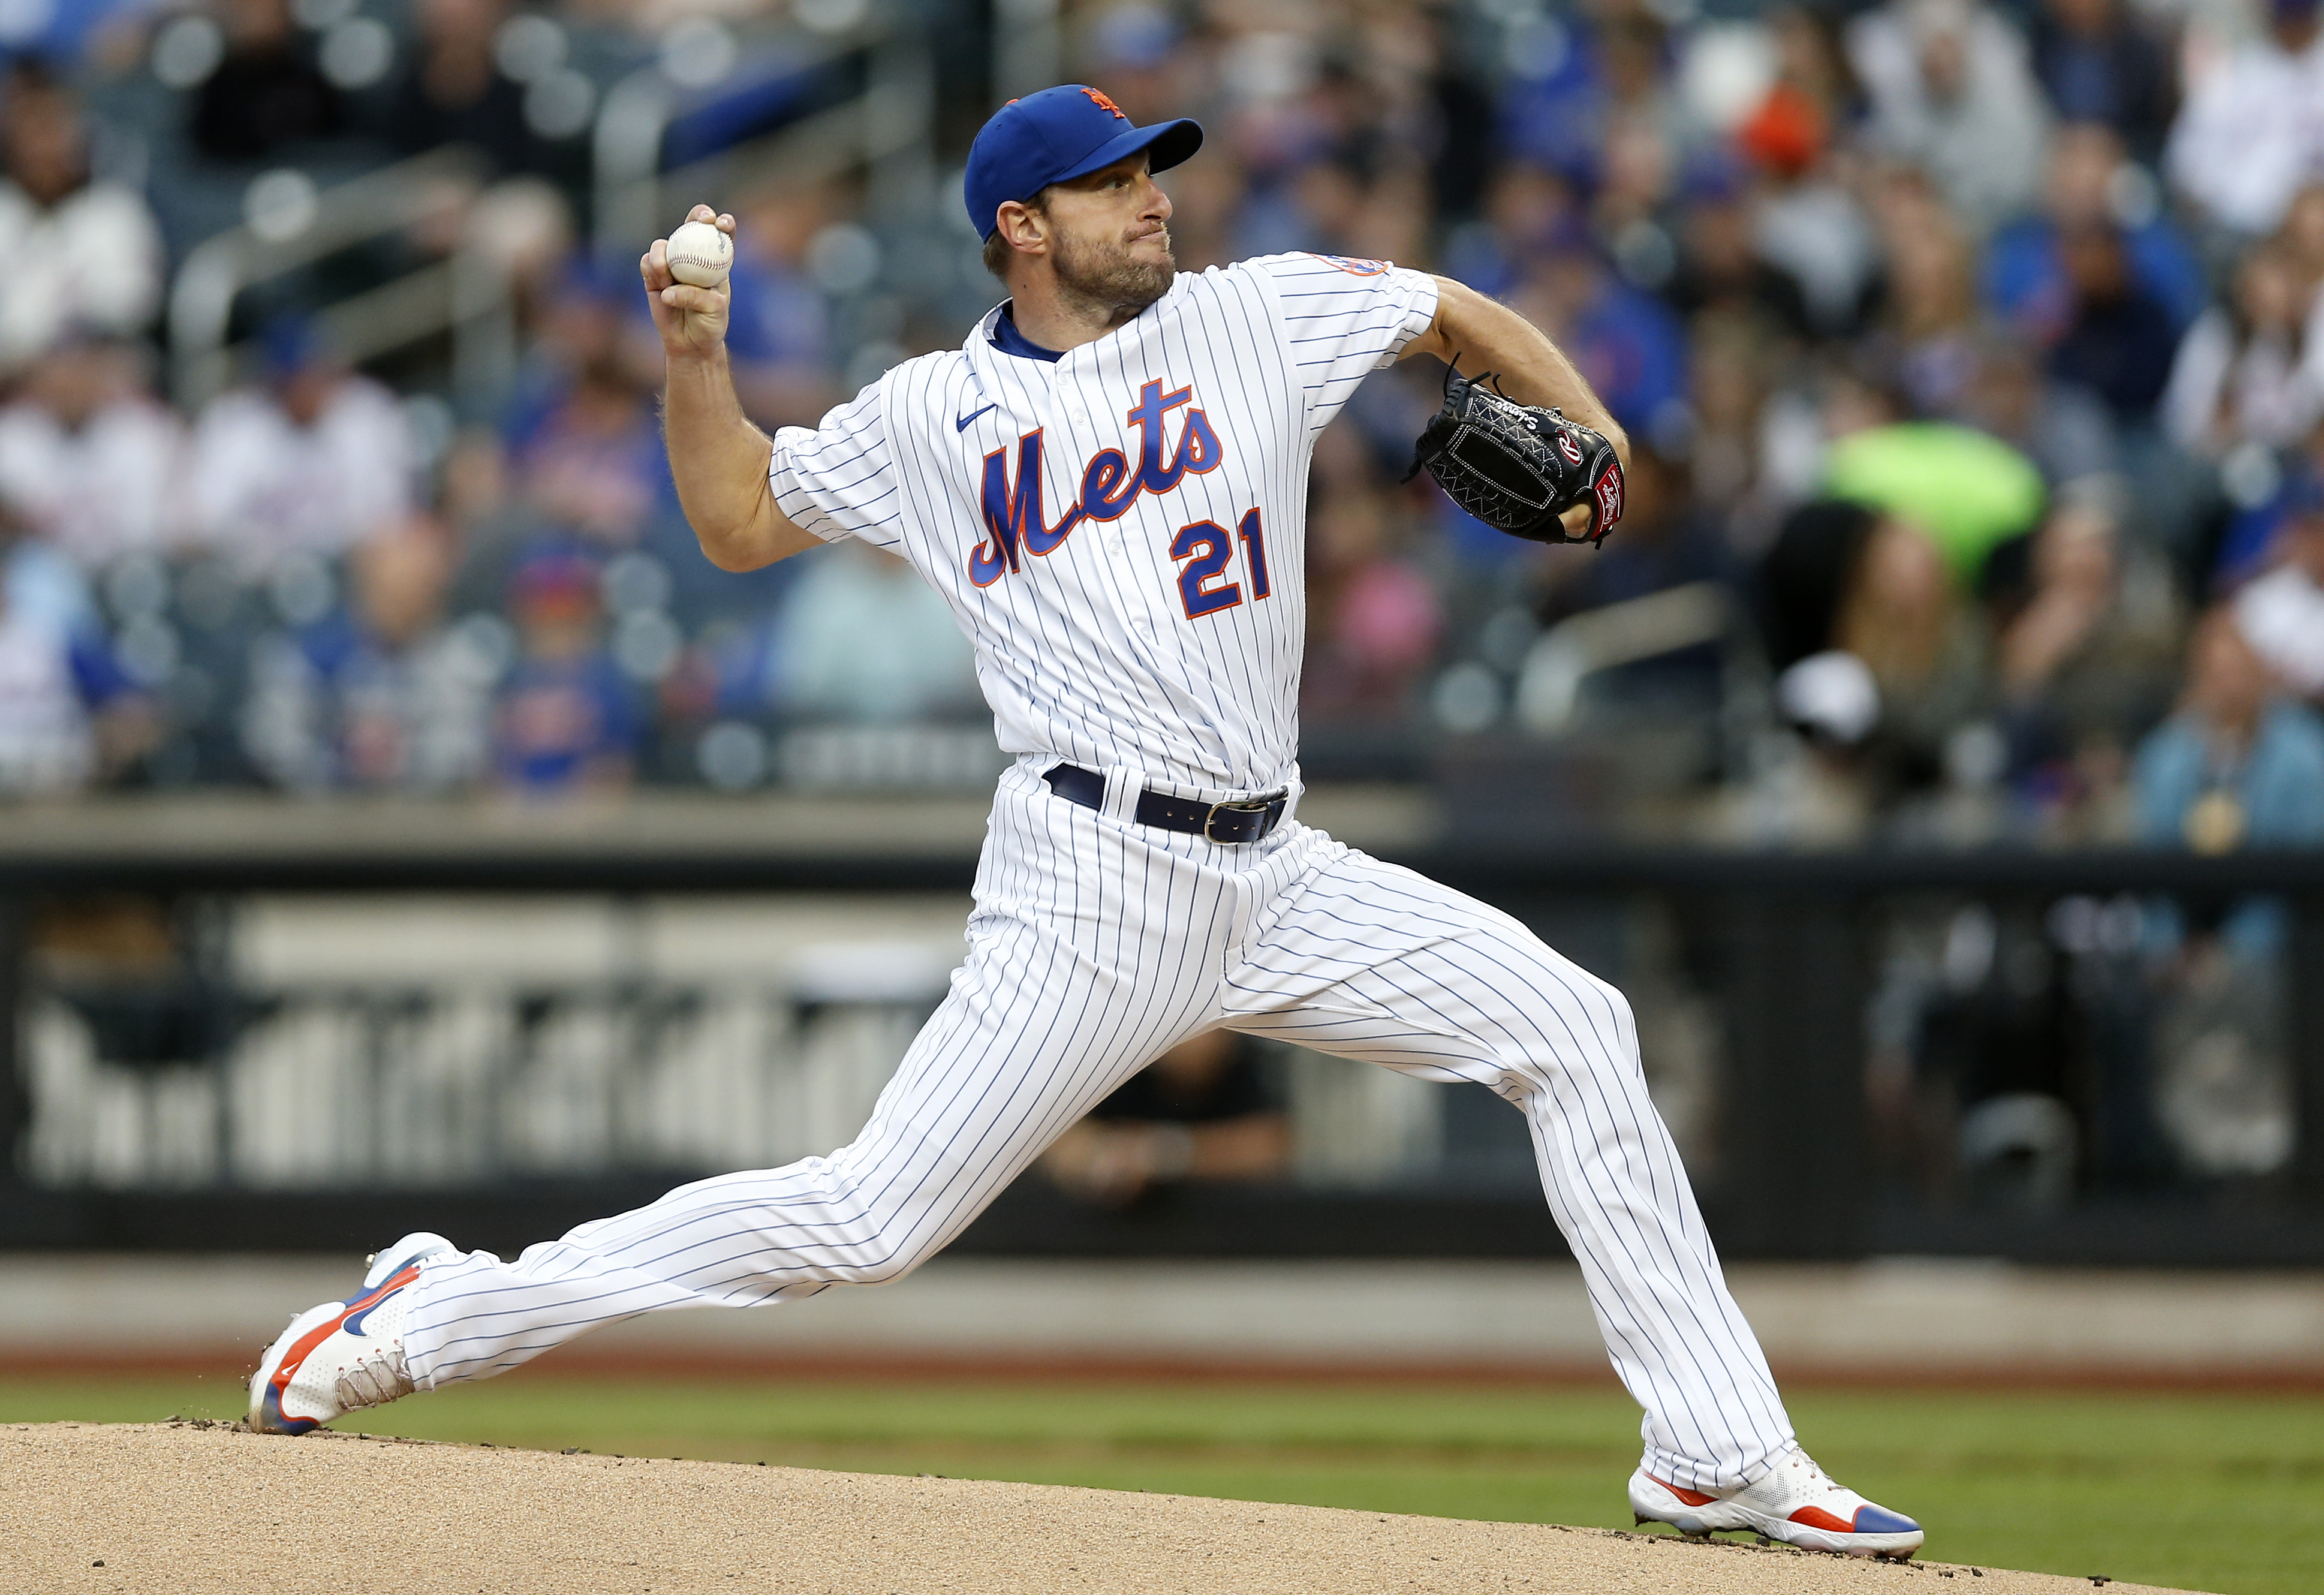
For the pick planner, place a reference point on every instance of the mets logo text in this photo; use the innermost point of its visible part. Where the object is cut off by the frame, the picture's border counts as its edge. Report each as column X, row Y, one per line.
column 1014, row 520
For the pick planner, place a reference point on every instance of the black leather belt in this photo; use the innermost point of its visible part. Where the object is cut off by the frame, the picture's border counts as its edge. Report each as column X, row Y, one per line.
column 1247, row 821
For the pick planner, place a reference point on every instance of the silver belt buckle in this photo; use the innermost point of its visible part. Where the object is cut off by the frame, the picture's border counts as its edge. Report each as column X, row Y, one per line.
column 1252, row 806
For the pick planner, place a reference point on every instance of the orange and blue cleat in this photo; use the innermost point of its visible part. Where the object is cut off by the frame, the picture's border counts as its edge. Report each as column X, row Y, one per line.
column 342, row 1355
column 1794, row 1502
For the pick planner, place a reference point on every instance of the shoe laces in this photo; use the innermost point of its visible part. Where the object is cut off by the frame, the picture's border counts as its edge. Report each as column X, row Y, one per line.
column 372, row 1381
column 1798, row 1478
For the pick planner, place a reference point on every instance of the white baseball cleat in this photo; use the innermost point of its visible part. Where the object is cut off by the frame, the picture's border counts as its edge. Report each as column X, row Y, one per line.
column 1794, row 1503
column 342, row 1355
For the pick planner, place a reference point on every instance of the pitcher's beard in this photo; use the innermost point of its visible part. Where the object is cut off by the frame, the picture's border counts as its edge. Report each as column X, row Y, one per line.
column 1107, row 278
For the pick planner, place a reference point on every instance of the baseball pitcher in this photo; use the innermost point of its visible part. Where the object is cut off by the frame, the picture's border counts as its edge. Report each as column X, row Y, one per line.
column 1107, row 481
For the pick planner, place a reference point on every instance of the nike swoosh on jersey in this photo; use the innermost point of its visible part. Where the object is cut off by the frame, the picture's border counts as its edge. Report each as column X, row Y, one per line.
column 962, row 424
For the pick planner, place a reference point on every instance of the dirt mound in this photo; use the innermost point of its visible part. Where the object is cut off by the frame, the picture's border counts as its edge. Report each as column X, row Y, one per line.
column 187, row 1507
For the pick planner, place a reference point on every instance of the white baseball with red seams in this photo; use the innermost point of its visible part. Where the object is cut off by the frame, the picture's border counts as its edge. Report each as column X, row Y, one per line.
column 1120, row 532
column 700, row 254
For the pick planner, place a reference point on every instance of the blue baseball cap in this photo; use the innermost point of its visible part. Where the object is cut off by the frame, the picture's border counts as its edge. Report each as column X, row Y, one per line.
column 1056, row 135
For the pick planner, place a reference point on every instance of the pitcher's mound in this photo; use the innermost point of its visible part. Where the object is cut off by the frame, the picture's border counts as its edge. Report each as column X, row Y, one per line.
column 180, row 1507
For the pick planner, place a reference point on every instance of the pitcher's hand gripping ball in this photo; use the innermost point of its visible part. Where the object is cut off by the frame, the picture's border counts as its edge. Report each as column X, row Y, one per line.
column 700, row 254
column 1516, row 468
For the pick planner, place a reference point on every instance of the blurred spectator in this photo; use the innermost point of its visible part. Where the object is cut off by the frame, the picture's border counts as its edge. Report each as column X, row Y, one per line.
column 378, row 695
column 1814, row 78
column 1732, row 360
column 45, row 740
column 267, row 94
column 46, row 746
column 2302, row 239
column 2119, row 342
column 1805, row 221
column 1646, row 132
column 584, row 313
column 1203, row 1111
column 93, row 459
column 1135, row 50
column 1905, row 620
column 779, row 337
column 1719, row 266
column 1374, row 616
column 2063, row 429
column 62, row 32
column 2087, row 657
column 1871, row 641
column 452, row 90
column 1930, row 317
column 41, row 582
column 860, row 637
column 1552, row 108
column 1811, row 405
column 585, row 451
column 2248, row 371
column 1393, row 224
column 2098, row 63
column 1372, row 212
column 1602, row 111
column 67, row 713
column 565, row 720
column 82, row 253
column 1952, row 93
column 2281, row 612
column 2240, row 763
column 1527, row 209
column 1815, row 229
column 1967, row 491
column 1627, row 343
column 316, row 460
column 2246, row 139
column 1803, row 581
column 2026, row 280
column 594, row 463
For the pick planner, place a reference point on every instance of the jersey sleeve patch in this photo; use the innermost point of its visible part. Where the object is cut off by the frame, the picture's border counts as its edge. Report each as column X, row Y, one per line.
column 1353, row 265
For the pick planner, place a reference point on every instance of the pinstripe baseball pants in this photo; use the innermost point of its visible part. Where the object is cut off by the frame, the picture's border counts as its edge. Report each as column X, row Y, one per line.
column 1096, row 944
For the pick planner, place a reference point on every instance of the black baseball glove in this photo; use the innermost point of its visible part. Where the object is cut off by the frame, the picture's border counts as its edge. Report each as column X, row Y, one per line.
column 1516, row 468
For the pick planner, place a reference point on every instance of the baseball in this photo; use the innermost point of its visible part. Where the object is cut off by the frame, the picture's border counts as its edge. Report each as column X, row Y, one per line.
column 699, row 255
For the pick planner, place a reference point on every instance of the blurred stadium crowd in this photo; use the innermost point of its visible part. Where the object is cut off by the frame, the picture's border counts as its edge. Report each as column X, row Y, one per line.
column 1974, row 358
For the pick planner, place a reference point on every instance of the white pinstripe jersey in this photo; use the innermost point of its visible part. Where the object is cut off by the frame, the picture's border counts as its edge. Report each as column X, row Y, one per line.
column 1123, row 533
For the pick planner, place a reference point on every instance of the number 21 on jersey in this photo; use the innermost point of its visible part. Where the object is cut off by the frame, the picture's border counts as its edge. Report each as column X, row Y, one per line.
column 1203, row 548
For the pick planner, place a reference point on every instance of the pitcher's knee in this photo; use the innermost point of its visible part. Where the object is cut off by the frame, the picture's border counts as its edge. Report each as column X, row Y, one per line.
column 885, row 1256
column 1618, row 1014
column 1591, row 1029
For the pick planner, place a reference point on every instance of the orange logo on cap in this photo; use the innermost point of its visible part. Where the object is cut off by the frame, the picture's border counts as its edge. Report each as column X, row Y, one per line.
column 1104, row 102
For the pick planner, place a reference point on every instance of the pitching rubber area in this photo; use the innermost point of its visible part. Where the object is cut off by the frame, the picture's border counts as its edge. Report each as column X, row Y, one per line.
column 188, row 1507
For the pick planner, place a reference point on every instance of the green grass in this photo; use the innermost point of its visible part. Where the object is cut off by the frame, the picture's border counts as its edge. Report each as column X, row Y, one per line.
column 2211, row 1492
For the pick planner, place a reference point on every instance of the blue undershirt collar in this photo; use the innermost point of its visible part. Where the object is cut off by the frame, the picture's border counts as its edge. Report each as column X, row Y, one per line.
column 1009, row 341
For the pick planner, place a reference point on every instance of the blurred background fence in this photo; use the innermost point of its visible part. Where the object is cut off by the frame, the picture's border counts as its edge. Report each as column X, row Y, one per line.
column 295, row 1043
